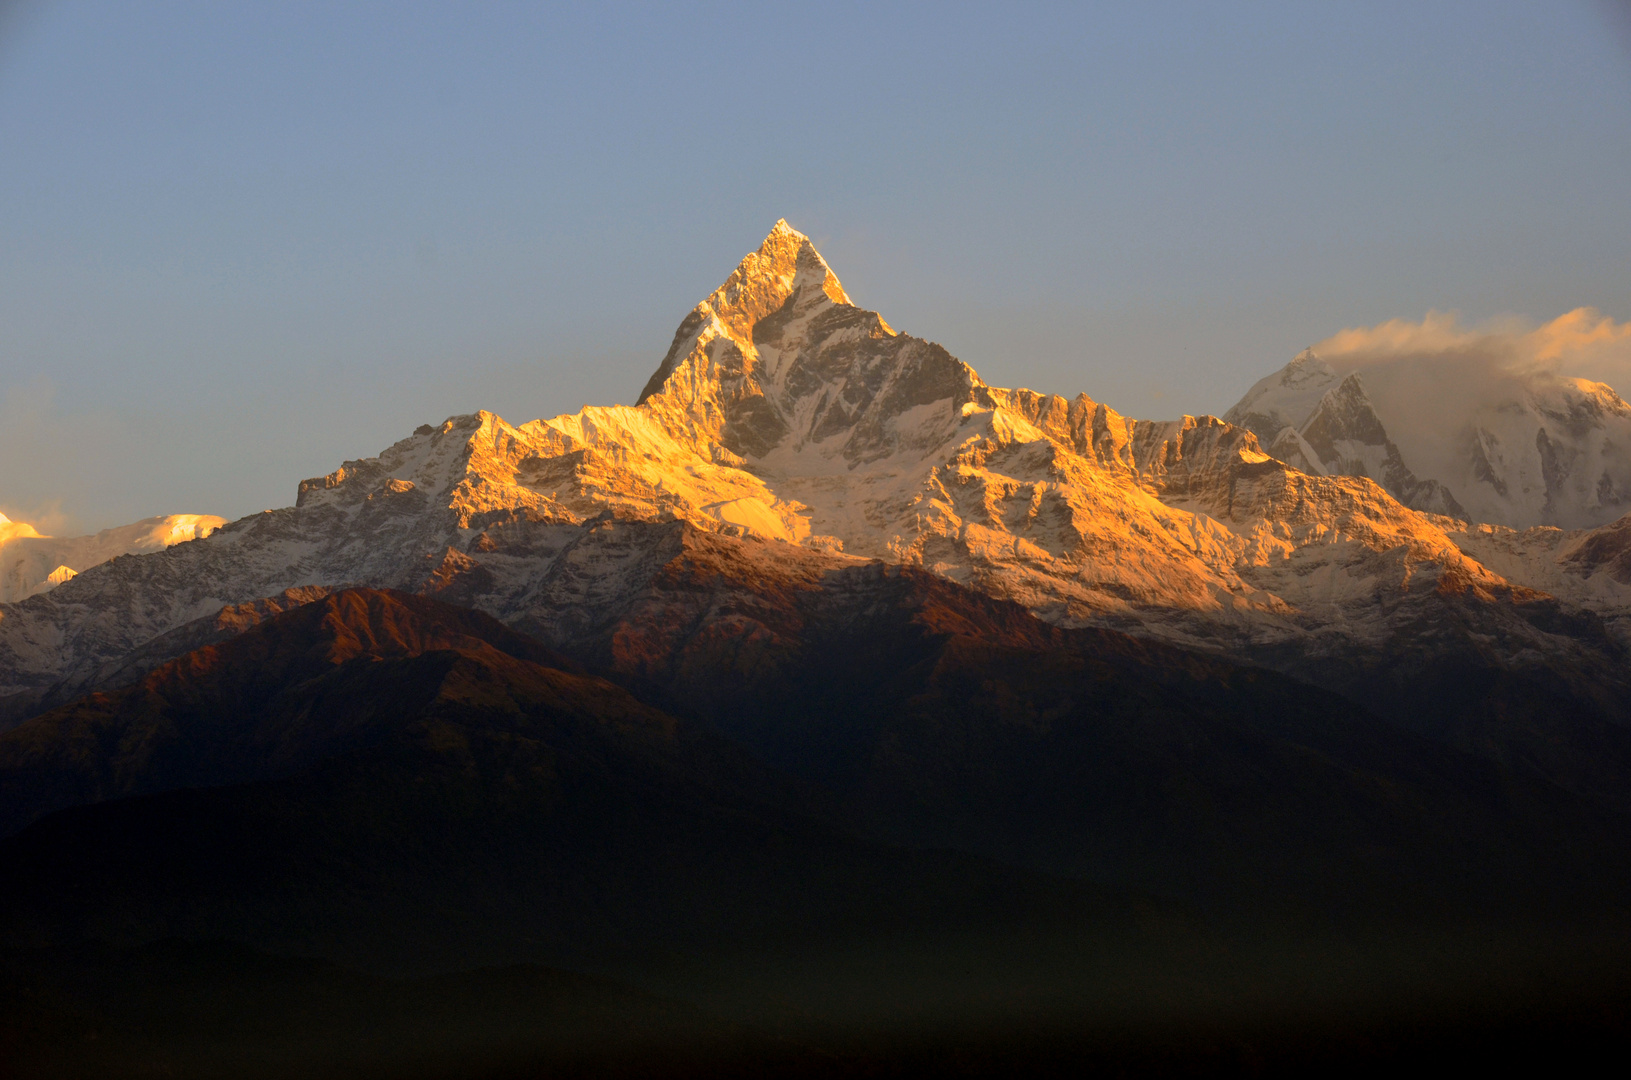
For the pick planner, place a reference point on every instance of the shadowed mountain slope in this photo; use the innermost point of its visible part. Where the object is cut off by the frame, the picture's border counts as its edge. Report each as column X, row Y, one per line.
column 389, row 780
column 313, row 682
column 837, row 669
column 654, row 601
column 759, row 816
column 393, row 754
column 940, row 716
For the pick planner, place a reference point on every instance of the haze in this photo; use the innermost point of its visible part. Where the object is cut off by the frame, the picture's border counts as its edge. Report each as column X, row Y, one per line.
column 241, row 245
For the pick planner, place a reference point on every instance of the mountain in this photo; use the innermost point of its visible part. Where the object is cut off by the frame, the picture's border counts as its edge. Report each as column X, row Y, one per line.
column 1518, row 448
column 221, row 713
column 819, row 437
column 32, row 564
column 1343, row 436
column 784, row 412
column 395, row 782
column 1587, row 568
column 893, row 813
column 392, row 781
column 963, row 721
column 827, row 659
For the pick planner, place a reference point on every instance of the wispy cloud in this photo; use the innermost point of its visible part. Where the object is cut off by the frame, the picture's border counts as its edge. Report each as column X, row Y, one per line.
column 1583, row 343
column 47, row 519
column 1432, row 379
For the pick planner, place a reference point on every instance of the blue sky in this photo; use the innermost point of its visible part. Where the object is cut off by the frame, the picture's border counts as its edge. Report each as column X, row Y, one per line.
column 242, row 243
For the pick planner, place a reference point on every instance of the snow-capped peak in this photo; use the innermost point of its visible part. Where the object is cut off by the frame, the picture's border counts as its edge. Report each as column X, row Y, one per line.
column 1284, row 399
column 1514, row 447
column 31, row 563
column 778, row 354
column 785, row 272
column 1345, row 437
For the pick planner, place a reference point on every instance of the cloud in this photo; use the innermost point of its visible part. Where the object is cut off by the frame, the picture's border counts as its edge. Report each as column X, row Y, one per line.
column 1587, row 344
column 1434, row 380
column 46, row 519
column 1583, row 343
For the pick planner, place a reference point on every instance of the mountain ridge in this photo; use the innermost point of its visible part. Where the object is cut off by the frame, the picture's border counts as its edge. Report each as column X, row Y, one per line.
column 401, row 783
column 783, row 413
column 963, row 724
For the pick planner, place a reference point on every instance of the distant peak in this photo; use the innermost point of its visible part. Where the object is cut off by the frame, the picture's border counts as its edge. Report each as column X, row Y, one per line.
column 781, row 228
column 785, row 268
column 785, row 262
column 1307, row 368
